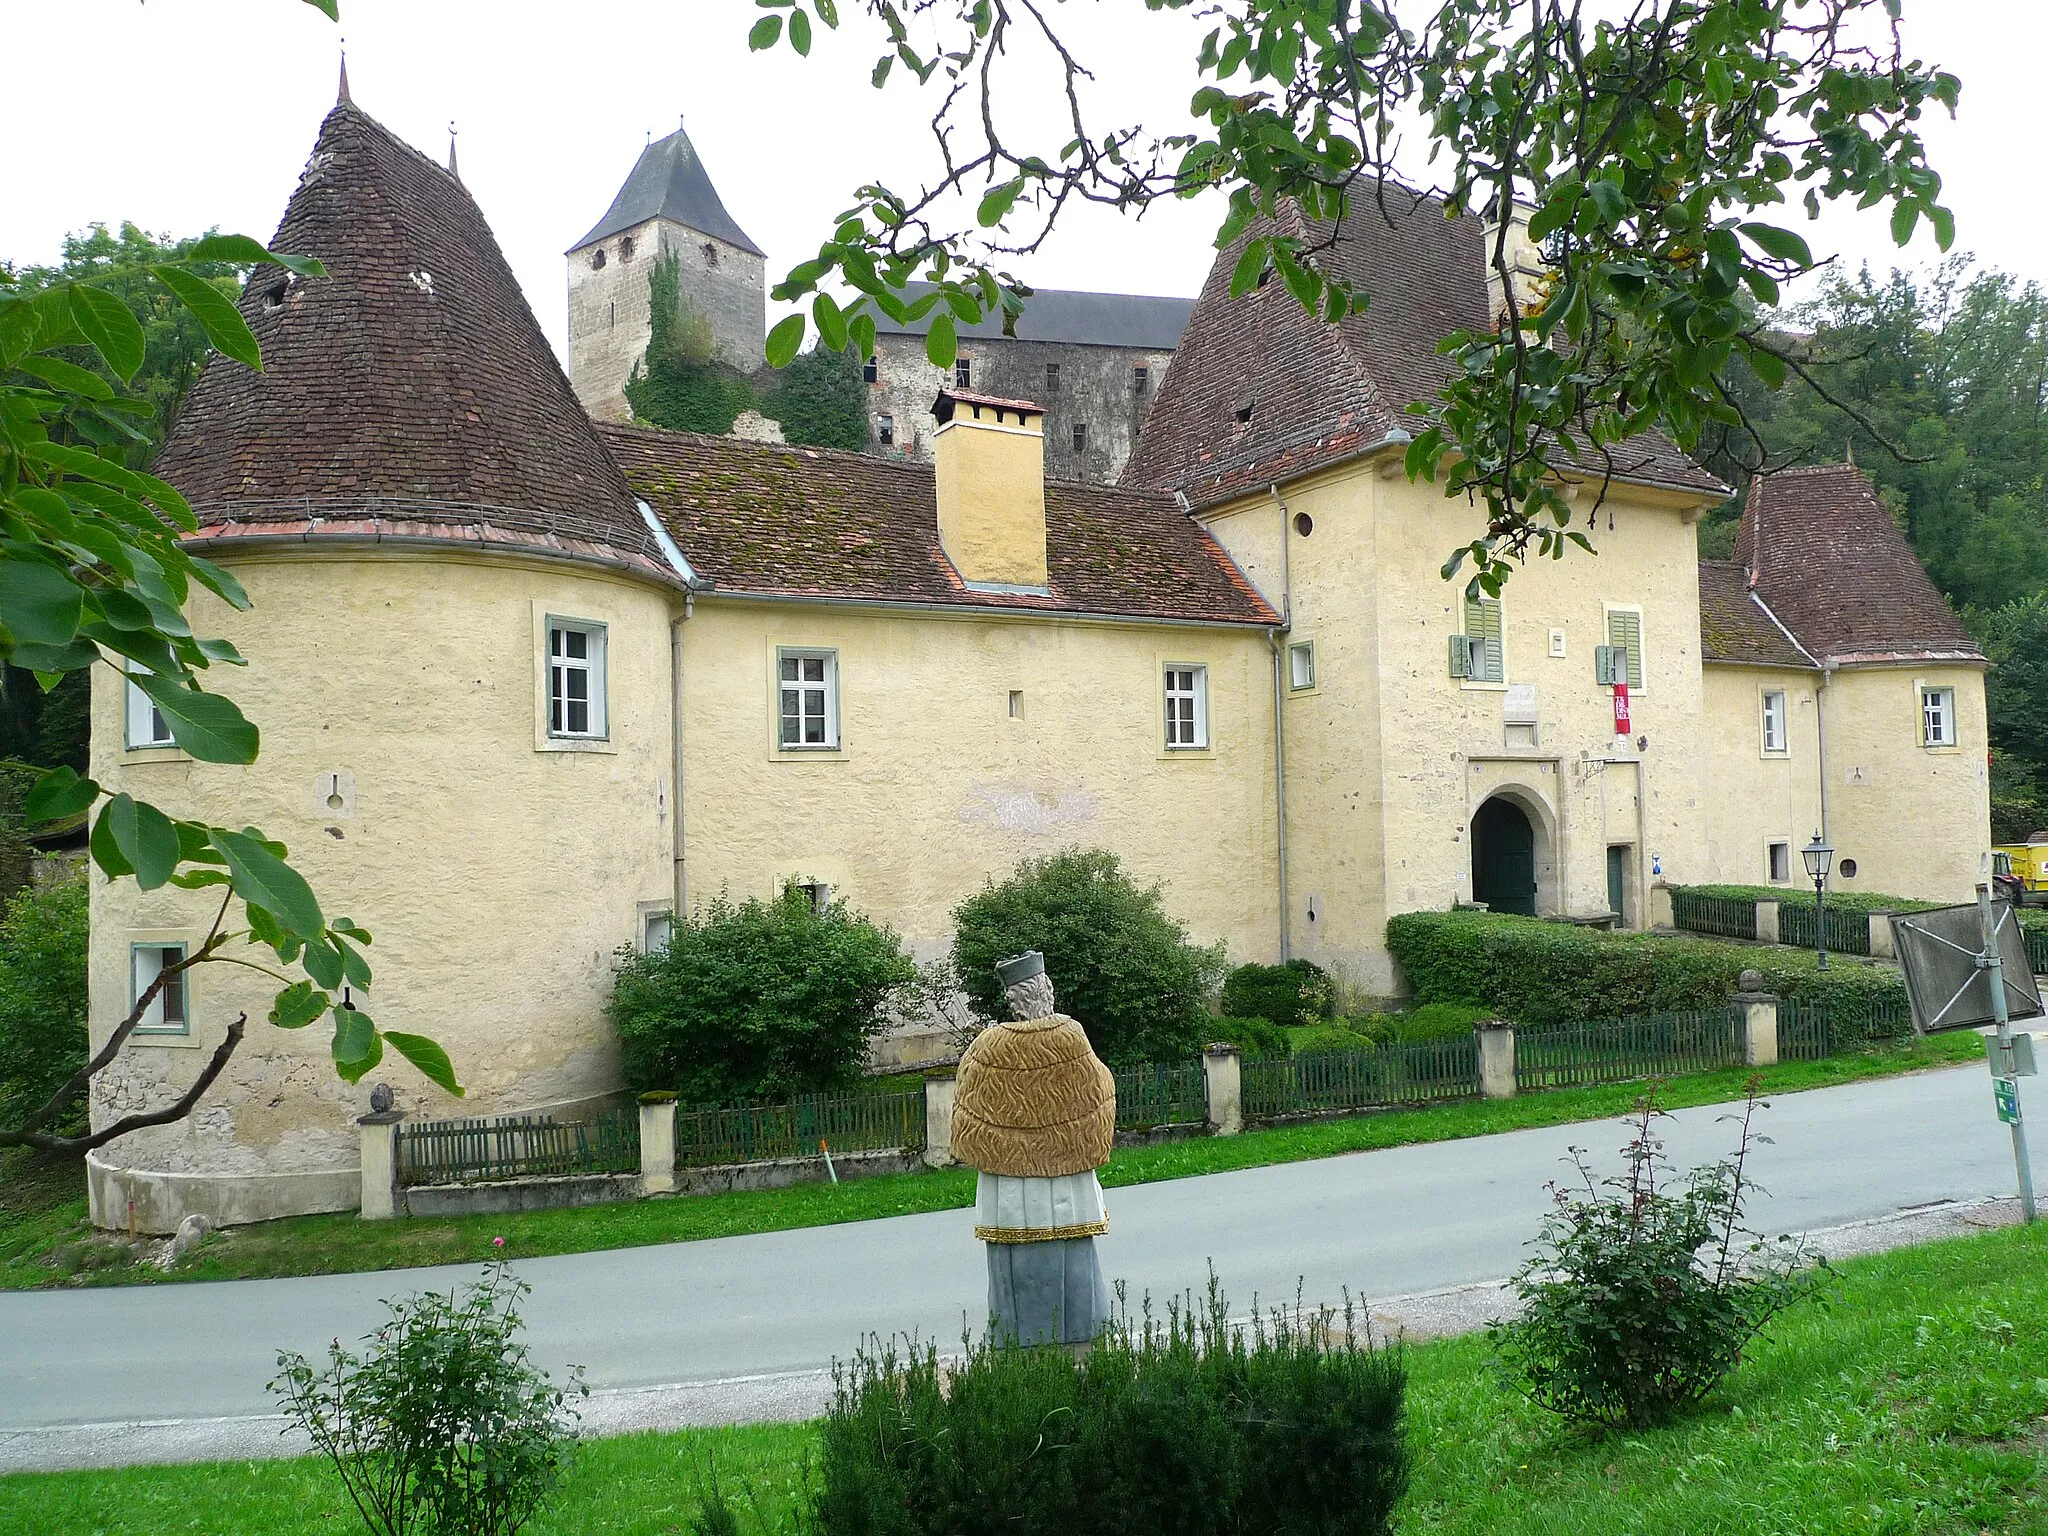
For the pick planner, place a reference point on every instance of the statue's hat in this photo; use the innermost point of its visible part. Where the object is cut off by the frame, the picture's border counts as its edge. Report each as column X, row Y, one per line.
column 1020, row 967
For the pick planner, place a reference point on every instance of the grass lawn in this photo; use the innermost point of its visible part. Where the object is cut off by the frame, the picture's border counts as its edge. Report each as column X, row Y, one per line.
column 1916, row 1402
column 48, row 1248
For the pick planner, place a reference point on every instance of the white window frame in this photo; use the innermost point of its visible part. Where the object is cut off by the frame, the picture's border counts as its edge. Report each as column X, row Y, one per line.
column 828, row 685
column 656, row 916
column 1777, row 743
column 1937, row 723
column 1301, row 666
column 147, row 727
column 1476, row 667
column 1185, row 702
column 557, row 668
column 1637, row 669
column 149, row 956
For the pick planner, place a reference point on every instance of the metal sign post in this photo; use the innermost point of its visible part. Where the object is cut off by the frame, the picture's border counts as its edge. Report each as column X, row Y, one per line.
column 2007, row 1083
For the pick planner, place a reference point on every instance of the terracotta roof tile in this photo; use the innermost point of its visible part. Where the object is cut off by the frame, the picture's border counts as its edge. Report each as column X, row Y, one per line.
column 1260, row 390
column 1735, row 626
column 412, row 381
column 1827, row 557
column 775, row 520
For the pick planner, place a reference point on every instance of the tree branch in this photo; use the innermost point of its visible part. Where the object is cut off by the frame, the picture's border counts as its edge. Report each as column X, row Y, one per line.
column 176, row 1110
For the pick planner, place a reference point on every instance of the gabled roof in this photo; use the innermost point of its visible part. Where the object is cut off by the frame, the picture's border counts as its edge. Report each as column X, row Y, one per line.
column 407, row 394
column 1826, row 556
column 771, row 520
column 668, row 181
column 1262, row 391
column 1736, row 627
column 1142, row 322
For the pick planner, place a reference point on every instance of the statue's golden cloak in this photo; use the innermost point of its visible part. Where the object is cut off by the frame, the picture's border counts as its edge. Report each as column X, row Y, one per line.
column 1033, row 1101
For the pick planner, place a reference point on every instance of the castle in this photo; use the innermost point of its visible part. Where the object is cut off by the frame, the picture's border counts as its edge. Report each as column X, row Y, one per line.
column 530, row 683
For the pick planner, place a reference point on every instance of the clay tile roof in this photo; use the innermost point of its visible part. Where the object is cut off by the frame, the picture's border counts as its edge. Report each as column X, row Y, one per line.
column 1735, row 626
column 411, row 383
column 1261, row 391
column 669, row 181
column 1825, row 554
column 949, row 397
column 775, row 520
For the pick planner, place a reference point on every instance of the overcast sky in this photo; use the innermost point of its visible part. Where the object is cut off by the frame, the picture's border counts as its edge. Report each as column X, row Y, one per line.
column 195, row 113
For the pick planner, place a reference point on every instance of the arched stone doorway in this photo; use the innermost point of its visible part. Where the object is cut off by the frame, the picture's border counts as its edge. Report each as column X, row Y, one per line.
column 1504, row 857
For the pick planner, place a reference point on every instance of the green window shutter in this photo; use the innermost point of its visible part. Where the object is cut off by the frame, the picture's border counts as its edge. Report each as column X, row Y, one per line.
column 1461, row 656
column 1625, row 630
column 1482, row 627
column 1604, row 672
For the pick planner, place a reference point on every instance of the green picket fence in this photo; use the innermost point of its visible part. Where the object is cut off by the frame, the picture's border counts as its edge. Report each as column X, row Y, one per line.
column 1419, row 1073
column 1809, row 1031
column 1647, row 1045
column 516, row 1147
column 1729, row 917
column 1848, row 928
column 2037, row 949
column 845, row 1122
column 1150, row 1094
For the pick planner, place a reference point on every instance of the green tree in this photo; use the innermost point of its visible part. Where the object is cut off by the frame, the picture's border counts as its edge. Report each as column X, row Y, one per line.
column 2015, row 637
column 821, row 401
column 1656, row 145
column 42, row 997
column 94, row 573
column 678, row 383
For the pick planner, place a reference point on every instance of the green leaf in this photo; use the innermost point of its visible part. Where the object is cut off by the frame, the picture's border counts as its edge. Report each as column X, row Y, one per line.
column 298, row 1005
column 997, row 202
column 68, row 377
column 146, row 838
column 39, row 603
column 800, row 33
column 828, row 11
column 222, row 322
column 1608, row 200
column 764, row 33
column 206, row 725
column 942, row 344
column 58, row 795
column 1244, row 277
column 432, row 1061
column 357, row 1046
column 831, row 323
column 1905, row 214
column 355, row 970
column 264, row 880
column 241, row 251
column 331, row 9
column 883, row 65
column 784, row 339
column 56, row 659
column 1944, row 224
column 105, row 852
column 110, row 326
column 1781, row 243
column 323, row 962
column 219, row 582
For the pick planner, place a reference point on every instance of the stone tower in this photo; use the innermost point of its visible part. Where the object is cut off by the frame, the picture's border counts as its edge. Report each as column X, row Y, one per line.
column 666, row 205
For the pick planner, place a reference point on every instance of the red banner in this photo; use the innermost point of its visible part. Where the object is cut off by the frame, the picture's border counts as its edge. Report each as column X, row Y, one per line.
column 1621, row 726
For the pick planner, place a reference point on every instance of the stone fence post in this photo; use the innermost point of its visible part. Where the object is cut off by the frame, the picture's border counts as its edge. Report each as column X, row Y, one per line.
column 1759, row 1020
column 378, row 1134
column 1767, row 922
column 1661, row 915
column 939, row 1088
column 1496, row 1058
column 657, row 1143
column 1881, row 945
column 1223, row 1077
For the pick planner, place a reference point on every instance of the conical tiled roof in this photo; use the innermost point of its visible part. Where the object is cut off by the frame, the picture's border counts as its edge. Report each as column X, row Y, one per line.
column 669, row 181
column 407, row 395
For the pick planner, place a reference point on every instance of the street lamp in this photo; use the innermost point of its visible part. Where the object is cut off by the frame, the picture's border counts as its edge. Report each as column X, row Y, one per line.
column 1818, row 856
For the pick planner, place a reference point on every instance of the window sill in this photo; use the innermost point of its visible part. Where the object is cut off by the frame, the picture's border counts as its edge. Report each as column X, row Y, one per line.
column 1467, row 685
column 1774, row 757
column 1304, row 693
column 601, row 744
column 167, row 753
column 138, row 1039
column 1941, row 749
column 781, row 754
column 1187, row 754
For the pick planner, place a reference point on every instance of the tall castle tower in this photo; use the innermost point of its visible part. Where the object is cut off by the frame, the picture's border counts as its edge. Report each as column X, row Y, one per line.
column 666, row 205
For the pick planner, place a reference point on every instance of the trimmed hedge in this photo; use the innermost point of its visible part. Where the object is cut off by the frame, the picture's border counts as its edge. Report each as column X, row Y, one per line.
column 1297, row 992
column 1252, row 1037
column 1537, row 972
column 1793, row 896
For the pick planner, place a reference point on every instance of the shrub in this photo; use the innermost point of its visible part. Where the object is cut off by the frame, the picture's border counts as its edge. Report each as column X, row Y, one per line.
column 819, row 400
column 1554, row 973
column 1794, row 896
column 1181, row 1426
column 759, row 1000
column 1639, row 1301
column 442, row 1425
column 1291, row 994
column 1316, row 1039
column 1119, row 964
column 1252, row 1037
column 1432, row 1021
column 43, row 941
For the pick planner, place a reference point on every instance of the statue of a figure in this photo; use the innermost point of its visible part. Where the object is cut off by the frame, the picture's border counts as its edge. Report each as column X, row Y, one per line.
column 1035, row 1113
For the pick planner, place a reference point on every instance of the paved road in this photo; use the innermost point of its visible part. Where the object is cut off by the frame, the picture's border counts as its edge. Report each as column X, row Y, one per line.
column 1386, row 1223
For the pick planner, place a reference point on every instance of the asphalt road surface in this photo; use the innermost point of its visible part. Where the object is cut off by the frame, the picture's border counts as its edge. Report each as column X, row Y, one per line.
column 714, row 1326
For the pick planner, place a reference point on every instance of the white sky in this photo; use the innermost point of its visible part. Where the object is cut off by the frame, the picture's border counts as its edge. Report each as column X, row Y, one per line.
column 201, row 112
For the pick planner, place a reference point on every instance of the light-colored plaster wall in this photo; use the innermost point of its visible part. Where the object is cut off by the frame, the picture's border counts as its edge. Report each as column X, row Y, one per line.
column 1755, row 798
column 1917, row 820
column 497, row 875
column 990, row 488
column 935, row 787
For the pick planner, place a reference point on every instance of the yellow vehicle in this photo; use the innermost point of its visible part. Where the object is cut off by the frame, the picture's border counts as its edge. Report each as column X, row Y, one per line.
column 2021, row 869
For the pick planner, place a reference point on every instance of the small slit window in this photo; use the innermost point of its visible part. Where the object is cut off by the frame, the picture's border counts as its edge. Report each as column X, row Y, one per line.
column 576, row 681
column 626, row 249
column 1052, row 378
column 807, row 684
column 1187, row 707
column 1080, row 437
column 166, row 1014
column 1141, row 379
column 1774, row 722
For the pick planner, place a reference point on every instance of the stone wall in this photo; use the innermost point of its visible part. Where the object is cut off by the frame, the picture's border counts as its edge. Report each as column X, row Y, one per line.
column 1096, row 389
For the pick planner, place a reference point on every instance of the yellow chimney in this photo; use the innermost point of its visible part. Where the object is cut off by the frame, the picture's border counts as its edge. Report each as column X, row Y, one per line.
column 990, row 459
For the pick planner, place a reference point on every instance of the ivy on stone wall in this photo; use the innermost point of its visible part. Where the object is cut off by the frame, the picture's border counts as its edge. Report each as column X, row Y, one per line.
column 678, row 383
column 821, row 401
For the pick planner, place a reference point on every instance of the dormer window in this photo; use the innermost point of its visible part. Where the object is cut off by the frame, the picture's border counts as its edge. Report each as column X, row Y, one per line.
column 597, row 259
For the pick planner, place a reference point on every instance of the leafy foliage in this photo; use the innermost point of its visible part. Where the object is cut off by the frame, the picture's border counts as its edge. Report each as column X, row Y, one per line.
column 1297, row 992
column 1553, row 973
column 1188, row 1425
column 1432, row 1021
column 821, row 401
column 442, row 1426
column 43, row 940
column 1640, row 1299
column 678, row 384
column 763, row 999
column 1119, row 963
column 2015, row 638
column 1253, row 1037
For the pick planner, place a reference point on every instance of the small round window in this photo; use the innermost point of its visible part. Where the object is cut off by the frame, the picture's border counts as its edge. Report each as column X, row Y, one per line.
column 1848, row 869
column 1304, row 524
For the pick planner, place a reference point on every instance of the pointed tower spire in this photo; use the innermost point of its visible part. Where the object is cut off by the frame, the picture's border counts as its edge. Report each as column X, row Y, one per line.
column 452, row 171
column 343, row 94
